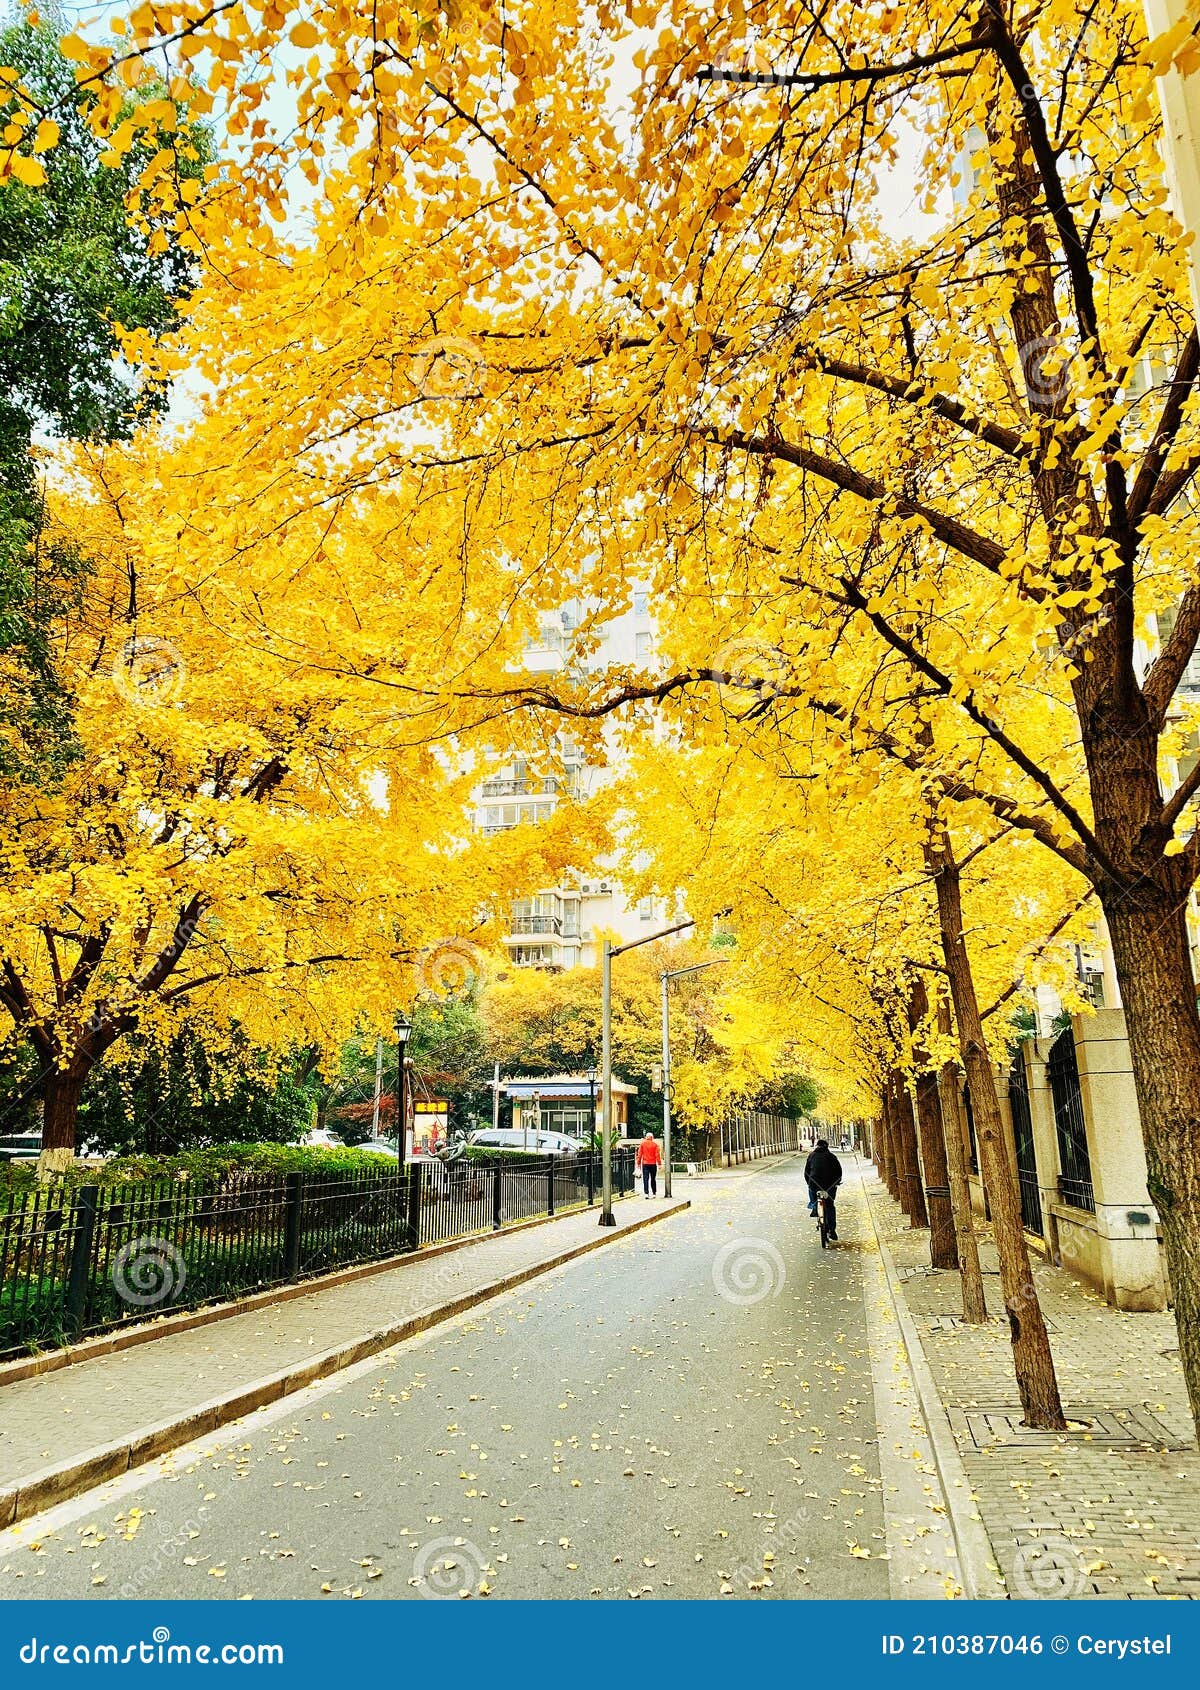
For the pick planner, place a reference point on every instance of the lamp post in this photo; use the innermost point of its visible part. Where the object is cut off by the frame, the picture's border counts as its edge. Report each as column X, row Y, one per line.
column 665, row 979
column 607, row 1218
column 403, row 1033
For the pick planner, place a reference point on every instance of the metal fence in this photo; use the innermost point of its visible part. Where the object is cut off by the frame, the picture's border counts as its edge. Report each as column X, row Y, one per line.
column 751, row 1133
column 98, row 1257
column 1022, row 1120
column 1075, row 1180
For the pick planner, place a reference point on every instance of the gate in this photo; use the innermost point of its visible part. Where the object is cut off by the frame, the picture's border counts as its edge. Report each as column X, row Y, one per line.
column 1075, row 1180
column 1027, row 1180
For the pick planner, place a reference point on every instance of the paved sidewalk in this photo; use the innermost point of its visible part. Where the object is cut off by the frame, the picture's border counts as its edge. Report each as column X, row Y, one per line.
column 1108, row 1510
column 138, row 1399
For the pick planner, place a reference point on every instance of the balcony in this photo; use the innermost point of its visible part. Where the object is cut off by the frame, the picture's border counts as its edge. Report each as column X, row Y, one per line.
column 540, row 926
column 502, row 788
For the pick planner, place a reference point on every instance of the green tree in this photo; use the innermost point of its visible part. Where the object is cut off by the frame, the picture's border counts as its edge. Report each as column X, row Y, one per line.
column 160, row 1101
column 74, row 273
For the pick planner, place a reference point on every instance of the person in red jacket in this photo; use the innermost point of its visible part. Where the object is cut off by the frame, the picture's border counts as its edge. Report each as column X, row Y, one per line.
column 647, row 1159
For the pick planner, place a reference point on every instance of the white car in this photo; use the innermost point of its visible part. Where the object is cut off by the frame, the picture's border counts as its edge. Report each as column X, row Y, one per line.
column 320, row 1138
column 516, row 1138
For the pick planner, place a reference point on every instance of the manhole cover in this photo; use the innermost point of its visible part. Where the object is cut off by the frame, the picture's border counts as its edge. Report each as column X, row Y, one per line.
column 1091, row 1428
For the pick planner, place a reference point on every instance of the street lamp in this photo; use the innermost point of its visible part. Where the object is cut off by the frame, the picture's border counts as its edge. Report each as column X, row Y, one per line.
column 591, row 1079
column 665, row 979
column 403, row 1034
column 607, row 1218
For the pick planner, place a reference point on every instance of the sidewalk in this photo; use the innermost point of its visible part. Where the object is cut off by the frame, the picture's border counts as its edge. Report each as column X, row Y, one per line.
column 1111, row 1510
column 64, row 1431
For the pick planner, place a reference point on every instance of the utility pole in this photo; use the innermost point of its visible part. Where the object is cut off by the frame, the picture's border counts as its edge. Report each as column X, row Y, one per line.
column 607, row 1218
column 378, row 1087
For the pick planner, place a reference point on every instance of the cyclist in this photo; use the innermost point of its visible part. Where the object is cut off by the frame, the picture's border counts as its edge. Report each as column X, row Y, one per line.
column 823, row 1172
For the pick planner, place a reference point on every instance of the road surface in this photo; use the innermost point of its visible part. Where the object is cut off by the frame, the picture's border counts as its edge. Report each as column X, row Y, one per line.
column 690, row 1412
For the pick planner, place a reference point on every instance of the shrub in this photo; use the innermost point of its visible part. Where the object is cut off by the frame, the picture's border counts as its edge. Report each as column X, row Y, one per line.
column 216, row 1163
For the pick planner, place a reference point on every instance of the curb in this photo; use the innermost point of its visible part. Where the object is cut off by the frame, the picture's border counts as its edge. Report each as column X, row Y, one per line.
column 981, row 1579
column 53, row 1485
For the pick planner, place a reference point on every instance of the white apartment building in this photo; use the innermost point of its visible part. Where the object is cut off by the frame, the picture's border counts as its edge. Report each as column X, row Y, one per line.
column 561, row 926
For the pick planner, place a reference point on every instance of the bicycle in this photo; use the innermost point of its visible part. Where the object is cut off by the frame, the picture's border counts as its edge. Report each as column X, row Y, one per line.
column 822, row 1223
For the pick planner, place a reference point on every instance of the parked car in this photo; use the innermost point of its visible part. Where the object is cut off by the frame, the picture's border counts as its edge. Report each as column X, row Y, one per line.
column 320, row 1138
column 381, row 1147
column 20, row 1146
column 516, row 1138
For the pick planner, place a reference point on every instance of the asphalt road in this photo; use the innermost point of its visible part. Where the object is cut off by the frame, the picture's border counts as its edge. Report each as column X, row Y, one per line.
column 687, row 1413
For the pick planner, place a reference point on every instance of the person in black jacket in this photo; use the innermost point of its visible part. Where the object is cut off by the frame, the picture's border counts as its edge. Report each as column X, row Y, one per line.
column 823, row 1172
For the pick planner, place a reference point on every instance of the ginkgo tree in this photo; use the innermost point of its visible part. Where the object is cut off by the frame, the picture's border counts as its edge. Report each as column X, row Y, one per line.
column 621, row 283
column 837, row 913
column 230, row 837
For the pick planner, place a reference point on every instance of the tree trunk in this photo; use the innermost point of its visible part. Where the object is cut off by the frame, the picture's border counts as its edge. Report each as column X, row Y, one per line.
column 1150, row 949
column 60, row 1117
column 908, row 1167
column 942, row 1250
column 973, row 1299
column 887, row 1166
column 1032, row 1360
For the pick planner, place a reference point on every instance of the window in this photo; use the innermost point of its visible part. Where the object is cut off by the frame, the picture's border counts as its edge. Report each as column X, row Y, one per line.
column 644, row 644
column 645, row 909
column 641, row 604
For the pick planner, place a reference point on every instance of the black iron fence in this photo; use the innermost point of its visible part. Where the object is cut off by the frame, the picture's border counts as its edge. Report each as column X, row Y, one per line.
column 751, row 1133
column 1026, row 1158
column 98, row 1257
column 1075, row 1180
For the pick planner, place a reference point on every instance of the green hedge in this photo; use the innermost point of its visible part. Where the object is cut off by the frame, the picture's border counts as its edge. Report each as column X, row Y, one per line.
column 219, row 1161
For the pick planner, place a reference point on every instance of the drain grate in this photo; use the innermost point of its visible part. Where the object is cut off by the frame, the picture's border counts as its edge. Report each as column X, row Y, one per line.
column 939, row 1323
column 1092, row 1428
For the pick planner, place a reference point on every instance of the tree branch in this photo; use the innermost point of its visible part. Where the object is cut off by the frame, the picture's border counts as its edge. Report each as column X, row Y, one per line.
column 1150, row 470
column 946, row 528
column 1162, row 678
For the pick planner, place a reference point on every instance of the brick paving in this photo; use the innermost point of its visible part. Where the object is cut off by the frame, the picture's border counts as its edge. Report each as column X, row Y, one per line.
column 49, row 1420
column 1111, row 1509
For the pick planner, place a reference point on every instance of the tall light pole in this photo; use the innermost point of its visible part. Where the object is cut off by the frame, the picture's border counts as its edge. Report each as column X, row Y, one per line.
column 403, row 1030
column 665, row 979
column 607, row 1218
